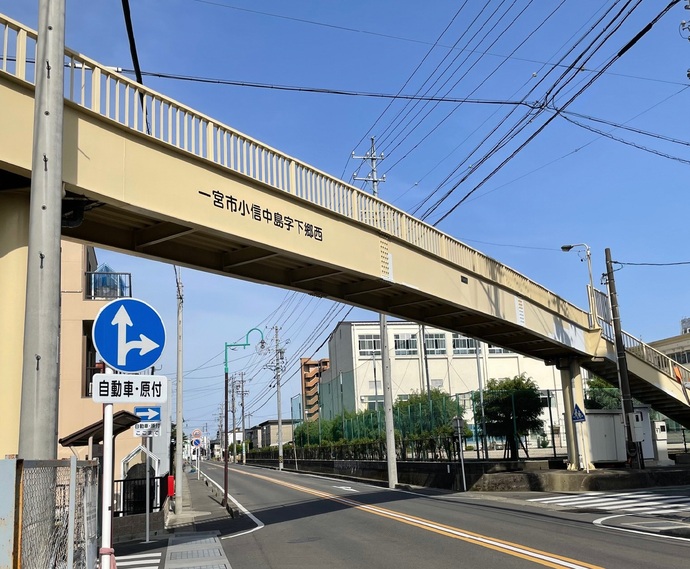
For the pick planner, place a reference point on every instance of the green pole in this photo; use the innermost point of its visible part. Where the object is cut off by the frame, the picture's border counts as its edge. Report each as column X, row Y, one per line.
column 474, row 418
column 515, row 433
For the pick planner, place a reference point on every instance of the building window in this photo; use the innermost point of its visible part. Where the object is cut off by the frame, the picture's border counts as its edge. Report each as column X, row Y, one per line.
column 435, row 344
column 680, row 357
column 406, row 344
column 372, row 403
column 91, row 365
column 436, row 383
column 369, row 345
column 463, row 346
column 497, row 350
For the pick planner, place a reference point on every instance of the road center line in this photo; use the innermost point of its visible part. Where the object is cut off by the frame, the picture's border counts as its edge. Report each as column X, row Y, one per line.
column 516, row 550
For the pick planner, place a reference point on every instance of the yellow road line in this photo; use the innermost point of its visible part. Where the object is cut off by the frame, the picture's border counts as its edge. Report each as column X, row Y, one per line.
column 507, row 547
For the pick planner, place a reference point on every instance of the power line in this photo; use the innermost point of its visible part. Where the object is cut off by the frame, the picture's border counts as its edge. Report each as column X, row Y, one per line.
column 610, row 62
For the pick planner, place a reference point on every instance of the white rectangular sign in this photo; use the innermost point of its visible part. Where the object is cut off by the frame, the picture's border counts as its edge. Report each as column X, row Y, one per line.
column 120, row 388
column 147, row 429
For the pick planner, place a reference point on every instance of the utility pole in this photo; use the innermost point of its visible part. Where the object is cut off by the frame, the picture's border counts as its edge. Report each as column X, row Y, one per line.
column 279, row 362
column 40, row 369
column 633, row 448
column 422, row 333
column 479, row 351
column 244, row 431
column 372, row 157
column 221, row 438
column 179, row 419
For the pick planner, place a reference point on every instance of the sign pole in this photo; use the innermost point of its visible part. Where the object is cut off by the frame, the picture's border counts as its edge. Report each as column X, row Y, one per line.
column 579, row 417
column 107, row 501
column 584, row 448
column 148, row 487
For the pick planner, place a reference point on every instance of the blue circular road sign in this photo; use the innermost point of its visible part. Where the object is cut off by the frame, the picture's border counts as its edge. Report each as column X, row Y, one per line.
column 129, row 335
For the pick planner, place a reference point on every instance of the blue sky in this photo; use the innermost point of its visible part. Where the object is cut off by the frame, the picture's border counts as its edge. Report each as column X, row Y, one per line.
column 568, row 185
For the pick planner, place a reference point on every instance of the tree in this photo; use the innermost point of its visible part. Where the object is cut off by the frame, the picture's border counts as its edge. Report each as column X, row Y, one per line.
column 512, row 407
column 602, row 395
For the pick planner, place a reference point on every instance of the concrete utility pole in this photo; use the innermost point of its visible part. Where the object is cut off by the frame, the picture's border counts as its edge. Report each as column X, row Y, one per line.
column 244, row 432
column 221, row 437
column 422, row 333
column 388, row 410
column 179, row 419
column 41, row 355
column 279, row 358
column 372, row 157
column 633, row 448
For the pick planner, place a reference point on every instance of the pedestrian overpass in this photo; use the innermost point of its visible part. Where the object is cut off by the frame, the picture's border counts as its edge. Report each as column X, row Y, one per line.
column 145, row 174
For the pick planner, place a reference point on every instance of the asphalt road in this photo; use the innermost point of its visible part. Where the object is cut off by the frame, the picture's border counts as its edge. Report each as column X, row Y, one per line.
column 294, row 520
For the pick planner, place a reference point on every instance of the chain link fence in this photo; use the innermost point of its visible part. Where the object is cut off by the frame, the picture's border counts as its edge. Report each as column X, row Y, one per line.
column 59, row 514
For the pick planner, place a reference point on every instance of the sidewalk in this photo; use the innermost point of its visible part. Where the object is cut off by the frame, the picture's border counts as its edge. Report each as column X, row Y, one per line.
column 192, row 539
column 201, row 503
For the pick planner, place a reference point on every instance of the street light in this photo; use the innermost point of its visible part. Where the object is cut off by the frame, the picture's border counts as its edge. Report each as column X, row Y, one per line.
column 592, row 302
column 244, row 344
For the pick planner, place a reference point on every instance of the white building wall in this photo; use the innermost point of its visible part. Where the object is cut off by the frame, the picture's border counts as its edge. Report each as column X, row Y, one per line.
column 452, row 373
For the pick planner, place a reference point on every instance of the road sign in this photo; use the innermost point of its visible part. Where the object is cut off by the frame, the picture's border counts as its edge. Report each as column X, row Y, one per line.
column 129, row 335
column 196, row 442
column 117, row 388
column 578, row 415
column 147, row 429
column 148, row 413
column 196, row 434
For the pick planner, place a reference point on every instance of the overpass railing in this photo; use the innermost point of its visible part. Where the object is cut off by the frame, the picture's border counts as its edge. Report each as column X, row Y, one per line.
column 102, row 90
column 638, row 348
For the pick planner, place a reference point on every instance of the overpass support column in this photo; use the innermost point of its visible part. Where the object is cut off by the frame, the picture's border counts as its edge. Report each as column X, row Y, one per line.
column 570, row 434
column 579, row 448
column 14, row 243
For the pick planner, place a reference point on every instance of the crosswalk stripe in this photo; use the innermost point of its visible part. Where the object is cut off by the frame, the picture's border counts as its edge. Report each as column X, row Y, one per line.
column 139, row 560
column 635, row 502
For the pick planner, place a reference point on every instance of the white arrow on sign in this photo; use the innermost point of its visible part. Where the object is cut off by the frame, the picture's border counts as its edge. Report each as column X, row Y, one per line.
column 149, row 414
column 145, row 345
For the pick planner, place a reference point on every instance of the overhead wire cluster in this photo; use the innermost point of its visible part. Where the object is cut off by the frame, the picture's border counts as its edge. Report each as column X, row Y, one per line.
column 554, row 88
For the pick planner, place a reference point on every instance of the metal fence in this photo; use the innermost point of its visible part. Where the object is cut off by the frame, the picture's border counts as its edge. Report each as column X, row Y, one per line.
column 130, row 495
column 59, row 514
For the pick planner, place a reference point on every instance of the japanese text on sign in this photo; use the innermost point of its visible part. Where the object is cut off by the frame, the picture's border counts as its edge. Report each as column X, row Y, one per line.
column 257, row 213
column 151, row 429
column 113, row 388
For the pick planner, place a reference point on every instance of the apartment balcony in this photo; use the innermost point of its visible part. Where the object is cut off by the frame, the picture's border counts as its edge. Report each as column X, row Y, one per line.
column 100, row 285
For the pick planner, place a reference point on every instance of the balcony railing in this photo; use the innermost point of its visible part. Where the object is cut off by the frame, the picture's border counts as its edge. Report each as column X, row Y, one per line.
column 108, row 285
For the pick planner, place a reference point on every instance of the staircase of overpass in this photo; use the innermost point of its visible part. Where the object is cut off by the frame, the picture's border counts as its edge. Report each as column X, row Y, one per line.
column 147, row 175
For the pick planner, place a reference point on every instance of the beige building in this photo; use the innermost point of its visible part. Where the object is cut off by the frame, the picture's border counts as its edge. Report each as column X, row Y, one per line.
column 676, row 347
column 85, row 289
column 266, row 434
column 311, row 372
